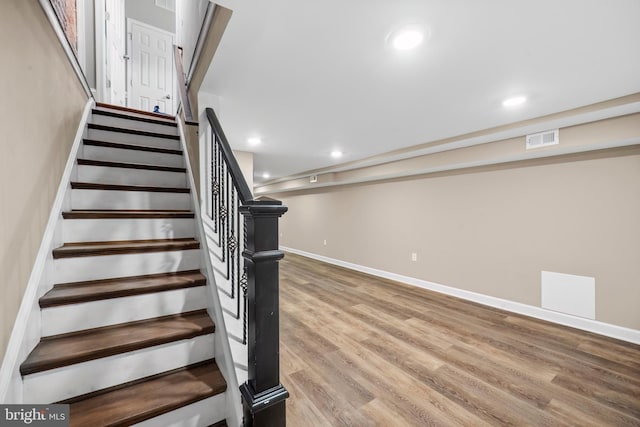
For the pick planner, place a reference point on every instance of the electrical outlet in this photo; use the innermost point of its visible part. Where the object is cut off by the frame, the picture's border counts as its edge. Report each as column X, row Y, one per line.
column 414, row 256
column 325, row 242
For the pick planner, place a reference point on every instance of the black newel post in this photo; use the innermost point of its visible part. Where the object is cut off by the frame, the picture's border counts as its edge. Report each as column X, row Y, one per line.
column 263, row 396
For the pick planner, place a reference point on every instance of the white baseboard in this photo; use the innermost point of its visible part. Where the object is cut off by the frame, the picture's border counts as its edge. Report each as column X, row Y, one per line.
column 606, row 329
column 26, row 326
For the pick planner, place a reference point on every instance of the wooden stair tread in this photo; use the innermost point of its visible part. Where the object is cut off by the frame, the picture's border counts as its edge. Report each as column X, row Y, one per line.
column 119, row 187
column 127, row 146
column 73, row 293
column 80, row 249
column 68, row 349
column 135, row 111
column 148, row 398
column 126, row 214
column 87, row 162
column 135, row 116
column 132, row 131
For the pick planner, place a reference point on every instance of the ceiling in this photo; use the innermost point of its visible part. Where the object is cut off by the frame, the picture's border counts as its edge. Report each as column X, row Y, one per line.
column 312, row 77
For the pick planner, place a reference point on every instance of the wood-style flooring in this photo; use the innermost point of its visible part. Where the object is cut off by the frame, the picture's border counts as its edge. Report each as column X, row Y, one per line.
column 357, row 350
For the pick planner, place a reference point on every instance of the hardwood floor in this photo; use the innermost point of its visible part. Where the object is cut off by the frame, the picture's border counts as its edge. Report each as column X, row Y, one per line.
column 357, row 350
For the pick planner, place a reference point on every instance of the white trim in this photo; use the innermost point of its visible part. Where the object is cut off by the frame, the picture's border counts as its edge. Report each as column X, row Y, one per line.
column 224, row 358
column 81, row 34
column 607, row 329
column 100, row 50
column 18, row 344
column 66, row 46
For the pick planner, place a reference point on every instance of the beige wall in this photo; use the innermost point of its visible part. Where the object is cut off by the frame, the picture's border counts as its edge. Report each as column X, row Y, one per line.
column 245, row 161
column 40, row 112
column 493, row 229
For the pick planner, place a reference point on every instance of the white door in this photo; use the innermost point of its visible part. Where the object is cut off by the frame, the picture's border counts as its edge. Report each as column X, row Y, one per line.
column 151, row 83
column 115, row 55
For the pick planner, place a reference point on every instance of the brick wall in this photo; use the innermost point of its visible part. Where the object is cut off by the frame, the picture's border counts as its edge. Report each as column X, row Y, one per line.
column 66, row 11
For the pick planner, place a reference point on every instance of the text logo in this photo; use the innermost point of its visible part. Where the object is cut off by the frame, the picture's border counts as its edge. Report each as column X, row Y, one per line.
column 34, row 415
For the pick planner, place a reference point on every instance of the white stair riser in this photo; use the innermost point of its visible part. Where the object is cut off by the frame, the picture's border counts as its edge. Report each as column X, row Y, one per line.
column 115, row 199
column 93, row 152
column 63, row 383
column 234, row 326
column 125, row 176
column 103, row 230
column 240, row 357
column 76, row 317
column 199, row 414
column 149, row 141
column 133, row 124
column 111, row 266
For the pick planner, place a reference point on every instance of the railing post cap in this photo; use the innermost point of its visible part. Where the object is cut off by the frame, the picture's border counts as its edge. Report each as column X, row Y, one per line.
column 263, row 207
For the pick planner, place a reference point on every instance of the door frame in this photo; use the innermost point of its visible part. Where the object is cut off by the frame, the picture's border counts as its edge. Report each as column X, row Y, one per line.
column 101, row 50
column 129, row 68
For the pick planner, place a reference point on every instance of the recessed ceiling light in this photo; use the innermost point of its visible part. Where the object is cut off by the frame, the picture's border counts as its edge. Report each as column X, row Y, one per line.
column 406, row 38
column 336, row 154
column 254, row 141
column 266, row 175
column 513, row 101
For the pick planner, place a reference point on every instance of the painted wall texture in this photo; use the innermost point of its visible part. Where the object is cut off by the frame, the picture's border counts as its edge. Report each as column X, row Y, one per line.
column 493, row 229
column 42, row 107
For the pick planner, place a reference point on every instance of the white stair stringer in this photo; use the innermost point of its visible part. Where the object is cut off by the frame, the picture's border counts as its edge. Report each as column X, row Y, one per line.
column 104, row 230
column 80, row 269
column 129, row 176
column 75, row 317
column 116, row 199
column 110, row 154
column 235, row 327
column 124, row 122
column 199, row 414
column 133, row 138
column 81, row 378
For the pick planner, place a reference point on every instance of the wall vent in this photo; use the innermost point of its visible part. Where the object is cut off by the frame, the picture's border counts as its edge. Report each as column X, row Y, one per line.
column 313, row 178
column 543, row 139
column 569, row 294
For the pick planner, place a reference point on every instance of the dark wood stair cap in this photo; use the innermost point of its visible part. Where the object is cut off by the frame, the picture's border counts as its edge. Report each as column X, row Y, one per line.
column 95, row 290
column 132, row 131
column 83, row 249
column 137, row 116
column 127, row 165
column 76, row 347
column 149, row 397
column 135, row 111
column 126, row 214
column 119, row 187
column 127, row 146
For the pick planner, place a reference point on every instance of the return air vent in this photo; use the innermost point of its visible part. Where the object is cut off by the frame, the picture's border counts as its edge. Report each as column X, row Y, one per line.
column 542, row 139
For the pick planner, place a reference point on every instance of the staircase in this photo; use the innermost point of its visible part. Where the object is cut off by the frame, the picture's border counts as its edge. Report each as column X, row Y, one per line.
column 127, row 337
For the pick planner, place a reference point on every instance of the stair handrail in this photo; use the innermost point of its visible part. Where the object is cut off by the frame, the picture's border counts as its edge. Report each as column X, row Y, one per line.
column 183, row 89
column 239, row 180
column 257, row 220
